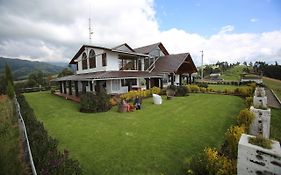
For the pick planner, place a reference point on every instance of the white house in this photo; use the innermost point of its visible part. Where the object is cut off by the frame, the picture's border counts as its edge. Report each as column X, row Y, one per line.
column 121, row 69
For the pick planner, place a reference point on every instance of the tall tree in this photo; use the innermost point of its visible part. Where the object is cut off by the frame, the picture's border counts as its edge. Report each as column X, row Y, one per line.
column 8, row 75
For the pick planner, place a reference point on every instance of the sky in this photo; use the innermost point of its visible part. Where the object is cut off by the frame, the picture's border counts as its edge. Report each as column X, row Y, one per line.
column 226, row 30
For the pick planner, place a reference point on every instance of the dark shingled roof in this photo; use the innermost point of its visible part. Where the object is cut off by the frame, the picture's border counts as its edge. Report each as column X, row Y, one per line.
column 108, row 75
column 176, row 63
column 147, row 49
column 124, row 44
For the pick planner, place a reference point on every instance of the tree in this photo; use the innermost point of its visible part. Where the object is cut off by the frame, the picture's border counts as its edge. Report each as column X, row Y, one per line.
column 36, row 78
column 10, row 90
column 65, row 72
column 8, row 75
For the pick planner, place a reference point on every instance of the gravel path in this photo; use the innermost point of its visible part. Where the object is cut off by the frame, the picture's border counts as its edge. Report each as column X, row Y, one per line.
column 271, row 99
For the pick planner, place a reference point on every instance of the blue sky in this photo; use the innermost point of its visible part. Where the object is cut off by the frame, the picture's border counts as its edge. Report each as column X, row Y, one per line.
column 206, row 17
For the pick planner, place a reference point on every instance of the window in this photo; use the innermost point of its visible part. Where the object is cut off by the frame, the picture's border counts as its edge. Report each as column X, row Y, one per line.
column 92, row 59
column 104, row 62
column 115, row 85
column 84, row 61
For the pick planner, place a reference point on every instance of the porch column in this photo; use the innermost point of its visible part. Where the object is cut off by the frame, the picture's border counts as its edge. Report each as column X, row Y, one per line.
column 91, row 86
column 64, row 87
column 172, row 79
column 83, row 87
column 60, row 86
column 76, row 88
column 180, row 79
column 161, row 83
column 190, row 80
column 69, row 88
column 147, row 82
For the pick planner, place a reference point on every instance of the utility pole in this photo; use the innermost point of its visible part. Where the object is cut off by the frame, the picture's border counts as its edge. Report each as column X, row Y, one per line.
column 202, row 66
column 90, row 31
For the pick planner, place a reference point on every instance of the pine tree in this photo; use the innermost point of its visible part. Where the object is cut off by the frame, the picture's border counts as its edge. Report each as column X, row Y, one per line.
column 10, row 90
column 8, row 75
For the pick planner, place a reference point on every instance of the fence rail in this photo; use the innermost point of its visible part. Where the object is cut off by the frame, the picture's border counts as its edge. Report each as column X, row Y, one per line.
column 25, row 136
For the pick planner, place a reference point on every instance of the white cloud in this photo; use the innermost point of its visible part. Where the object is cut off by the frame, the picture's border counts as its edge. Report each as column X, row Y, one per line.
column 54, row 31
column 254, row 20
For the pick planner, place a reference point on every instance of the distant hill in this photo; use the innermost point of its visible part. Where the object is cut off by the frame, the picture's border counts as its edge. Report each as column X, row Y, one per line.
column 22, row 68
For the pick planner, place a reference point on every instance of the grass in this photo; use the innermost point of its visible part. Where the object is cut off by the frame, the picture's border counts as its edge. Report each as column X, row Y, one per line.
column 222, row 87
column 275, row 130
column 233, row 74
column 10, row 159
column 154, row 140
column 273, row 84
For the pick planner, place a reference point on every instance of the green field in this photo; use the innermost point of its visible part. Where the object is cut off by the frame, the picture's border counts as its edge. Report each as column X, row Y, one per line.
column 10, row 159
column 273, row 84
column 154, row 140
column 233, row 74
column 275, row 130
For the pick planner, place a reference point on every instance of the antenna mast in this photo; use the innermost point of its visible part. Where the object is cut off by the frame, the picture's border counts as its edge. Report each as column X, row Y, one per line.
column 90, row 31
column 202, row 69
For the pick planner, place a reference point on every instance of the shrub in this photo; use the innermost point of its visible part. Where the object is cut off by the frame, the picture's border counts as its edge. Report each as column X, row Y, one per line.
column 211, row 162
column 181, row 91
column 46, row 155
column 245, row 118
column 193, row 88
column 204, row 85
column 172, row 87
column 232, row 137
column 203, row 90
column 249, row 102
column 259, row 140
column 155, row 90
column 95, row 103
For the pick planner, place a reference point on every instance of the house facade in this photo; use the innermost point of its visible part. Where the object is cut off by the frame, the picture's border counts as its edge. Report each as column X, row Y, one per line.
column 122, row 68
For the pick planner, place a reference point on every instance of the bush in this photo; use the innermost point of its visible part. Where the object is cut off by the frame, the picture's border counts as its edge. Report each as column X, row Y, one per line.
column 249, row 102
column 155, row 90
column 95, row 103
column 181, row 91
column 204, row 85
column 211, row 162
column 46, row 155
column 245, row 118
column 193, row 88
column 232, row 137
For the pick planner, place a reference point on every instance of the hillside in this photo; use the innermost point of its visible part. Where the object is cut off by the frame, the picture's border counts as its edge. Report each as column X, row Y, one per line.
column 233, row 73
column 22, row 68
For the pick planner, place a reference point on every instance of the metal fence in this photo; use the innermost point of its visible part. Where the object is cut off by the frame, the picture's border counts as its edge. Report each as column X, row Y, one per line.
column 25, row 137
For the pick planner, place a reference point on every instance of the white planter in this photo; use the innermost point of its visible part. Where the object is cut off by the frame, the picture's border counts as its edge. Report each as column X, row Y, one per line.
column 157, row 99
column 253, row 159
column 261, row 122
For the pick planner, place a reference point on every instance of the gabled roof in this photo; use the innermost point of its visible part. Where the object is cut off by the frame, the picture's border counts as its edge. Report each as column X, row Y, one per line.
column 124, row 44
column 176, row 63
column 147, row 49
column 81, row 50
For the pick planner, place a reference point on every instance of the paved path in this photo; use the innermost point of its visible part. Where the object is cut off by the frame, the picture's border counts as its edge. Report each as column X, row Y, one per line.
column 271, row 100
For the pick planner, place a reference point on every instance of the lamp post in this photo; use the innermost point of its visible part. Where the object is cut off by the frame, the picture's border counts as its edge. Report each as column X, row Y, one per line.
column 202, row 66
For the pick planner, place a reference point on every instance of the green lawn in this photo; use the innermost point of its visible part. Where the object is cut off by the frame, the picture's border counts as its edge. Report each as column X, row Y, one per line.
column 273, row 84
column 10, row 159
column 154, row 140
column 275, row 130
column 222, row 87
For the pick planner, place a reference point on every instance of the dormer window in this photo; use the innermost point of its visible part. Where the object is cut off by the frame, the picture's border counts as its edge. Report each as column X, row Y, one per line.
column 84, row 61
column 92, row 59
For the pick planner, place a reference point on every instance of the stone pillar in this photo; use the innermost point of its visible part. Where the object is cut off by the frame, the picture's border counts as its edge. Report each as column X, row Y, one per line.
column 69, row 88
column 64, row 87
column 76, row 88
column 60, row 86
